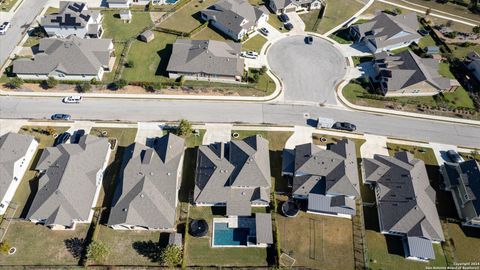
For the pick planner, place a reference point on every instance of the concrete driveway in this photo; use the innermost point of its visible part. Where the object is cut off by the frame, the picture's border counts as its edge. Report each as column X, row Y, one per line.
column 309, row 72
column 215, row 133
column 147, row 131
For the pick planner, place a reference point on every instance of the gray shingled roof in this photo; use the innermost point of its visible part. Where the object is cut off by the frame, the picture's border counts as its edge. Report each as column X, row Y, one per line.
column 239, row 173
column 67, row 188
column 333, row 205
column 406, row 69
column 13, row 146
column 72, row 56
column 405, row 199
column 146, row 194
column 386, row 30
column 206, row 56
column 333, row 171
column 70, row 14
column 263, row 226
column 231, row 13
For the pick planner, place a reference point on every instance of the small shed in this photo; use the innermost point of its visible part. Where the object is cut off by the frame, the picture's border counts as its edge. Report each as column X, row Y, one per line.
column 175, row 239
column 146, row 36
column 125, row 16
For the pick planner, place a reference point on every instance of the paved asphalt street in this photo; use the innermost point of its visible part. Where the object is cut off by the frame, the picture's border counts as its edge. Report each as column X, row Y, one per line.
column 235, row 112
column 20, row 22
column 309, row 72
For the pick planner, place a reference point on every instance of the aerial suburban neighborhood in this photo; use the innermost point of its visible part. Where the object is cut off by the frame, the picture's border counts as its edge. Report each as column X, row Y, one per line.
column 240, row 134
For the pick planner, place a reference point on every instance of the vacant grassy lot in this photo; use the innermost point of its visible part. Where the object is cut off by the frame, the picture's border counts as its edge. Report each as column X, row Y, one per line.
column 198, row 251
column 28, row 186
column 188, row 17
column 130, row 247
column 254, row 44
column 466, row 242
column 118, row 30
column 337, row 12
column 316, row 241
column 38, row 245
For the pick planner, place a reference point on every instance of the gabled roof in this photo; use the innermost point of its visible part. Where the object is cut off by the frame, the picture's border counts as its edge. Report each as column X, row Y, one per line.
column 67, row 187
column 13, row 147
column 405, row 199
column 406, row 69
column 146, row 194
column 236, row 172
column 206, row 56
column 333, row 171
column 281, row 4
column 386, row 30
column 70, row 14
column 331, row 204
column 71, row 56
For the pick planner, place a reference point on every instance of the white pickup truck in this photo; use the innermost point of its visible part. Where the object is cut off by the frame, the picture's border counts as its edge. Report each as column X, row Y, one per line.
column 323, row 122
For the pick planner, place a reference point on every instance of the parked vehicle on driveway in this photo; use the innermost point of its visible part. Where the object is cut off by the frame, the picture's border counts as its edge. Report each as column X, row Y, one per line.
column 344, row 126
column 309, row 39
column 61, row 116
column 283, row 17
column 454, row 156
column 72, row 99
column 288, row 26
column 249, row 54
column 62, row 138
column 264, row 31
column 4, row 27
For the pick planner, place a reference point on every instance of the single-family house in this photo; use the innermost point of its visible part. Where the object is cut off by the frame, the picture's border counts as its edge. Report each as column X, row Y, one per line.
column 146, row 196
column 69, row 183
column 405, row 202
column 125, row 4
column 73, row 18
column 71, row 58
column 327, row 179
column 387, row 32
column 463, row 180
column 206, row 60
column 474, row 64
column 16, row 153
column 408, row 74
column 234, row 18
column 286, row 6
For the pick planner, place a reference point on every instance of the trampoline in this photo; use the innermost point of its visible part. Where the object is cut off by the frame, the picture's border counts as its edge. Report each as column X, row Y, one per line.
column 290, row 208
column 198, row 227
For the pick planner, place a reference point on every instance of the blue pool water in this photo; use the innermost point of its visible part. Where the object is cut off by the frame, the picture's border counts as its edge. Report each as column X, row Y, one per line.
column 171, row 1
column 225, row 236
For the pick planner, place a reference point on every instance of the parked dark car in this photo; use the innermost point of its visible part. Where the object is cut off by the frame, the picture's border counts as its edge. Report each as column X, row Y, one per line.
column 309, row 39
column 62, row 138
column 283, row 17
column 61, row 116
column 77, row 135
column 344, row 126
column 288, row 26
column 454, row 156
column 423, row 32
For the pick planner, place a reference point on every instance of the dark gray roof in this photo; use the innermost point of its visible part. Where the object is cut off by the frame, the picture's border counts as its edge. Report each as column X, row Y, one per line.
column 464, row 181
column 333, row 171
column 405, row 199
column 206, row 56
column 238, row 171
column 263, row 225
column 420, row 248
column 13, row 147
column 331, row 204
column 70, row 14
column 406, row 69
column 67, row 188
column 237, row 204
column 72, row 56
column 386, row 30
column 232, row 13
column 146, row 194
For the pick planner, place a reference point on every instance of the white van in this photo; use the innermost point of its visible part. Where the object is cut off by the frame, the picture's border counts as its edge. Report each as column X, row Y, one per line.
column 72, row 99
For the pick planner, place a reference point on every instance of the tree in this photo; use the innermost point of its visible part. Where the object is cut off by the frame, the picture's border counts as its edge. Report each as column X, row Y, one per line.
column 50, row 83
column 15, row 83
column 428, row 11
column 97, row 251
column 171, row 256
column 84, row 87
column 397, row 11
column 4, row 247
column 184, row 128
column 120, row 84
column 476, row 29
column 263, row 70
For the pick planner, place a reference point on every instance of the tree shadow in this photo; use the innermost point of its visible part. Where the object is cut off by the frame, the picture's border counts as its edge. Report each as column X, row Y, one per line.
column 148, row 249
column 164, row 54
column 75, row 246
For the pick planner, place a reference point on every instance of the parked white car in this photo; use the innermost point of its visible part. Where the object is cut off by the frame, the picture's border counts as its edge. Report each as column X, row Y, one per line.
column 264, row 31
column 249, row 54
column 4, row 27
column 72, row 99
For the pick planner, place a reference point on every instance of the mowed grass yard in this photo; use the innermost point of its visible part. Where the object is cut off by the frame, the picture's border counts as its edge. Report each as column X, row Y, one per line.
column 187, row 18
column 198, row 251
column 254, row 43
column 39, row 245
column 118, row 30
column 336, row 12
column 317, row 241
column 466, row 242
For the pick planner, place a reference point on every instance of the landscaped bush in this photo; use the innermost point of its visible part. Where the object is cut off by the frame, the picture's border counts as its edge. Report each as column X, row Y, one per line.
column 49, row 83
column 171, row 256
column 97, row 251
column 15, row 83
column 84, row 87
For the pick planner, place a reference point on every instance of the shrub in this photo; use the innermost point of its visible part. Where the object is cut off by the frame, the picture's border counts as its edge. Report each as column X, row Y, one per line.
column 50, row 130
column 84, row 87
column 181, row 80
column 262, row 70
column 184, row 128
column 171, row 256
column 130, row 64
column 120, row 84
column 15, row 83
column 97, row 251
column 4, row 247
column 50, row 83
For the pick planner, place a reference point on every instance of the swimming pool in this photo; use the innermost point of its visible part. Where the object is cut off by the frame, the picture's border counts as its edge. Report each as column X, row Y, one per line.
column 225, row 236
column 171, row 2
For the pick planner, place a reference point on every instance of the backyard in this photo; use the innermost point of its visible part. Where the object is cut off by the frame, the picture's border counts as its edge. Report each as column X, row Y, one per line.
column 336, row 13
column 187, row 18
column 116, row 29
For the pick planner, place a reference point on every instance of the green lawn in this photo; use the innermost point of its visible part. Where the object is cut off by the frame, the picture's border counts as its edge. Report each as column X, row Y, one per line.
column 39, row 245
column 276, row 23
column 444, row 70
column 209, row 33
column 6, row 5
column 310, row 18
column 31, row 41
column 461, row 52
column 256, row 2
column 425, row 154
column 254, row 44
column 426, row 41
column 337, row 12
column 187, row 18
column 198, row 251
column 118, row 30
column 449, row 8
column 466, row 242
